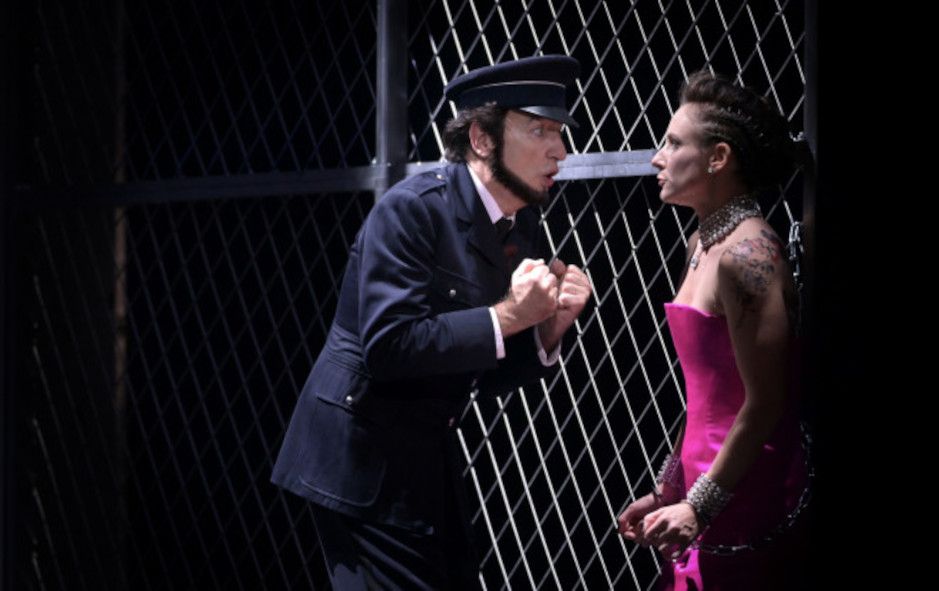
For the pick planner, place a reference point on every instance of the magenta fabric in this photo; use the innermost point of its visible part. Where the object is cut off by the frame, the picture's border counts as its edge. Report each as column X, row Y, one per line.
column 771, row 486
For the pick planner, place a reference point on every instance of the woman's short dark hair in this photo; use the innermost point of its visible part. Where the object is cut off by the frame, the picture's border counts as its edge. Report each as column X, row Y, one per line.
column 755, row 131
column 456, row 141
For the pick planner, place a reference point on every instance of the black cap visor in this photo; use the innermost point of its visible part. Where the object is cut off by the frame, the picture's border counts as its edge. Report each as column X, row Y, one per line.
column 554, row 113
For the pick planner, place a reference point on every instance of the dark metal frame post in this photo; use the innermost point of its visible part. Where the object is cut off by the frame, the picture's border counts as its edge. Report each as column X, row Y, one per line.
column 13, row 79
column 810, row 126
column 848, row 298
column 391, row 117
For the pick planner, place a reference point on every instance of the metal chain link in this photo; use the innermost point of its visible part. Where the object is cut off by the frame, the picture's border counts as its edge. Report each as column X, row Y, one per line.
column 794, row 252
column 784, row 526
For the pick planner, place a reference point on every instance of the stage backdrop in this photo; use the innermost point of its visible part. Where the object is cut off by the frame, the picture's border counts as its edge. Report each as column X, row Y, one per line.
column 189, row 177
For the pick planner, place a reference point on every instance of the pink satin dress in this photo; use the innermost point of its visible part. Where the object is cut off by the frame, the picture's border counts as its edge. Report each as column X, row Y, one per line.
column 768, row 491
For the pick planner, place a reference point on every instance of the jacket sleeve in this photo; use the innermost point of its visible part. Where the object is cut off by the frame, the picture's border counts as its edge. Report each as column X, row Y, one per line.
column 402, row 335
column 521, row 364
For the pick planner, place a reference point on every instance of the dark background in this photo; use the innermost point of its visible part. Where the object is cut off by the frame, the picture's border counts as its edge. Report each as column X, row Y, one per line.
column 169, row 274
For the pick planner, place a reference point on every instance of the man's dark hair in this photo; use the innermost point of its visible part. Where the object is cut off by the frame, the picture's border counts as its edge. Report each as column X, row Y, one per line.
column 456, row 140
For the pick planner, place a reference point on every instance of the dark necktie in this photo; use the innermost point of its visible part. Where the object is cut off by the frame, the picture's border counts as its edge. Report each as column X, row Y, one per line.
column 503, row 227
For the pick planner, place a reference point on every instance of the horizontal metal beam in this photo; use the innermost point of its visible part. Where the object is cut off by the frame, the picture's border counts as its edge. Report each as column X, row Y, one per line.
column 606, row 165
column 269, row 184
column 596, row 165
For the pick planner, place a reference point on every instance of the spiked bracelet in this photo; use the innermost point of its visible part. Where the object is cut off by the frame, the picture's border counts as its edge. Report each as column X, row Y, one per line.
column 670, row 472
column 707, row 499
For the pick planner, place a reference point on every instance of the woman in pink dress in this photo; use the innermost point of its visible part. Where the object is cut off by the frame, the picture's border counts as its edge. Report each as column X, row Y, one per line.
column 721, row 510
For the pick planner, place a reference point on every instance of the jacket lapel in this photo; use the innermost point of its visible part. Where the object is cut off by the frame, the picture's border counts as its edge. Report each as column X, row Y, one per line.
column 481, row 234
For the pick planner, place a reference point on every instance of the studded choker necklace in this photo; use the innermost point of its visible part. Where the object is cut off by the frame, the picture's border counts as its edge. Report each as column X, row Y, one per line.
column 722, row 222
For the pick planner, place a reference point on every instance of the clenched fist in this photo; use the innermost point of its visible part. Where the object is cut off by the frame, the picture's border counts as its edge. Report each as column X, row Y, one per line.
column 532, row 298
column 573, row 292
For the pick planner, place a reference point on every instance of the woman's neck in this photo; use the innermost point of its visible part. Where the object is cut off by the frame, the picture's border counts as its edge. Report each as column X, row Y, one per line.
column 720, row 194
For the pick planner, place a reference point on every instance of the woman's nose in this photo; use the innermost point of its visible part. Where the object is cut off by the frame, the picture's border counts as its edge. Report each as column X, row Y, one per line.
column 658, row 160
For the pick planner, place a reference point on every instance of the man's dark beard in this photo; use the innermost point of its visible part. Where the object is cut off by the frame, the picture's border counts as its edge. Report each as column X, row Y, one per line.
column 511, row 181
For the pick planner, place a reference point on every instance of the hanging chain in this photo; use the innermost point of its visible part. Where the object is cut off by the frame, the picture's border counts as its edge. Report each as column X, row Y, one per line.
column 785, row 525
column 794, row 252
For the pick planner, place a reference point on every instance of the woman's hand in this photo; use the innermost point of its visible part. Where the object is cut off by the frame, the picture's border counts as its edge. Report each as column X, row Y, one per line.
column 630, row 522
column 671, row 529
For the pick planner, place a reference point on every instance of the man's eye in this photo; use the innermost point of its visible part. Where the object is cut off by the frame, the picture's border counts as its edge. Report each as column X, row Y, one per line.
column 538, row 131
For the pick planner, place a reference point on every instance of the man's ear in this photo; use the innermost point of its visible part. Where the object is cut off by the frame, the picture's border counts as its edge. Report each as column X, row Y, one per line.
column 480, row 142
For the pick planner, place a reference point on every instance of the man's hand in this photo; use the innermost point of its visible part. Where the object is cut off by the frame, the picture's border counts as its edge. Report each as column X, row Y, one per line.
column 532, row 298
column 573, row 292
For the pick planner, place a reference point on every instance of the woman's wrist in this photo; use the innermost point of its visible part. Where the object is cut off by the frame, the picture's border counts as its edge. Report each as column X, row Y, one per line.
column 707, row 498
column 670, row 494
column 658, row 501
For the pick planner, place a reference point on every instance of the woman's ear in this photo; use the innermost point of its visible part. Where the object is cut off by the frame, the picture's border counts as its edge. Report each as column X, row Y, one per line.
column 720, row 156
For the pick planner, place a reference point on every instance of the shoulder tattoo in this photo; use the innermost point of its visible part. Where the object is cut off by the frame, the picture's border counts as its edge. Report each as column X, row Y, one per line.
column 754, row 262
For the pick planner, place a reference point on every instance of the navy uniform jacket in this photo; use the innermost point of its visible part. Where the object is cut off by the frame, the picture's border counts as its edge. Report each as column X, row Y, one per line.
column 411, row 338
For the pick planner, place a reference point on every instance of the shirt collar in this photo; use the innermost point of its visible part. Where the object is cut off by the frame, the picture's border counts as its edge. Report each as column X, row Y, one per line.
column 489, row 202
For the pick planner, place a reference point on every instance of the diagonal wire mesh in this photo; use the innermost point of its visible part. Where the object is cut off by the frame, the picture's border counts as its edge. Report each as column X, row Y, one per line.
column 239, row 293
column 553, row 465
column 219, row 88
column 69, row 366
column 210, row 88
column 226, row 304
column 634, row 56
column 164, row 344
column 74, row 95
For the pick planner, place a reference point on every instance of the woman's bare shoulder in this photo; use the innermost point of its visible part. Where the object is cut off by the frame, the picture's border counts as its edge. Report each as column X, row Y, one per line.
column 753, row 258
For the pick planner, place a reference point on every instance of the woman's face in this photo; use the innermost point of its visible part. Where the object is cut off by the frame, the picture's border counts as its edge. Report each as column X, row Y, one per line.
column 682, row 161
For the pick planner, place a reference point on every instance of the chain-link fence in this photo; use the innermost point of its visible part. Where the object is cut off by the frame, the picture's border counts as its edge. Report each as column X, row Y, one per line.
column 197, row 173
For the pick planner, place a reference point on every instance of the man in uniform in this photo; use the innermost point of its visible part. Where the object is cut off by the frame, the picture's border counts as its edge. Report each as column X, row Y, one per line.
column 445, row 292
